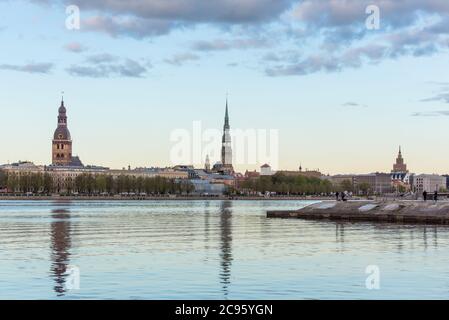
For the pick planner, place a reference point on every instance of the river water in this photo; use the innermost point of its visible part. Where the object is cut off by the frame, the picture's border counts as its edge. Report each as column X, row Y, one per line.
column 211, row 250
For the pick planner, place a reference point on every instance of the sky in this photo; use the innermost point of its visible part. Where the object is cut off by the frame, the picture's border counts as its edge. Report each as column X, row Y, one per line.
column 341, row 95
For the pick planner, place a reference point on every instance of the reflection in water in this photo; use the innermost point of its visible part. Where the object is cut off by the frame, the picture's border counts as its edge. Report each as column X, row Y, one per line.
column 225, row 245
column 340, row 232
column 435, row 237
column 425, row 238
column 60, row 245
column 207, row 225
column 139, row 249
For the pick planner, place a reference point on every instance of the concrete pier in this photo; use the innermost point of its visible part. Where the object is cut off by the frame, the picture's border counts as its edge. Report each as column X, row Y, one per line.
column 418, row 212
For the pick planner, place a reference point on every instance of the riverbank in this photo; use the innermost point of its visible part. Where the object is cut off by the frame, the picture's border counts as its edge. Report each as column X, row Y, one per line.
column 164, row 198
column 421, row 212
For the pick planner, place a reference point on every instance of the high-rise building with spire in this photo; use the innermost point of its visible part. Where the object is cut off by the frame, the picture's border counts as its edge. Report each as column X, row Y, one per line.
column 399, row 166
column 207, row 164
column 226, row 149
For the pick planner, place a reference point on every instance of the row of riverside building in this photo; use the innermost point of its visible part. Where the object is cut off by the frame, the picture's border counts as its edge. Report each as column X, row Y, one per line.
column 398, row 180
column 216, row 179
column 65, row 167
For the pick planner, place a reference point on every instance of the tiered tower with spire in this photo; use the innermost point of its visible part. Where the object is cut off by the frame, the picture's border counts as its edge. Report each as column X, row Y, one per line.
column 207, row 164
column 399, row 166
column 62, row 142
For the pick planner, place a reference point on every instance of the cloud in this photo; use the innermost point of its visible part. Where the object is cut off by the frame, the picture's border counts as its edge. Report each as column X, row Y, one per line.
column 353, row 104
column 75, row 47
column 180, row 59
column 133, row 27
column 431, row 113
column 408, row 28
column 221, row 45
column 109, row 66
column 311, row 64
column 101, row 58
column 191, row 11
column 327, row 35
column 412, row 41
column 149, row 18
column 42, row 68
column 343, row 13
column 442, row 95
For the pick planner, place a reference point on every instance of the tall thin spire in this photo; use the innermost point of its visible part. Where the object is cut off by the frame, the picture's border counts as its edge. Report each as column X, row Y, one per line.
column 226, row 149
column 226, row 125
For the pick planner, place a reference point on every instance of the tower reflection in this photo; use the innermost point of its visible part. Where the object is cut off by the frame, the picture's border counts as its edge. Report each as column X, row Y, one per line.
column 225, row 245
column 60, row 245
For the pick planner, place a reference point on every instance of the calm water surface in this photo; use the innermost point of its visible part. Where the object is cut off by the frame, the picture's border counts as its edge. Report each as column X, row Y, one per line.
column 209, row 250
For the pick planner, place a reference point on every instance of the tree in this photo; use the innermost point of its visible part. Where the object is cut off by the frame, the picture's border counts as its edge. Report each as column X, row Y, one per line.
column 365, row 188
column 109, row 184
column 13, row 182
column 36, row 181
column 47, row 182
column 80, row 183
column 287, row 185
column 346, row 185
column 401, row 189
column 3, row 179
column 100, row 183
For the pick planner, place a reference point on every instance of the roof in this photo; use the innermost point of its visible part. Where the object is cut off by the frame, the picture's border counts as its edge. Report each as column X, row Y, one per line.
column 76, row 162
column 62, row 133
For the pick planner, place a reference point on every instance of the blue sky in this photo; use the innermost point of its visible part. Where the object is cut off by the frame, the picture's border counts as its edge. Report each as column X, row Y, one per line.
column 342, row 97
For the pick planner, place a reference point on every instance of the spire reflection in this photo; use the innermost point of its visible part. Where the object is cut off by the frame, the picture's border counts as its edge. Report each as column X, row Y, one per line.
column 225, row 245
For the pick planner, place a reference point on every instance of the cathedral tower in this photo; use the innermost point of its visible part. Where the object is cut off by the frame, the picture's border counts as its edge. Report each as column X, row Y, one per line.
column 400, row 166
column 62, row 142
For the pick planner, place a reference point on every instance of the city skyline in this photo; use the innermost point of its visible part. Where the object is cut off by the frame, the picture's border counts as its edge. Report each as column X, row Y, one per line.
column 62, row 138
column 131, row 84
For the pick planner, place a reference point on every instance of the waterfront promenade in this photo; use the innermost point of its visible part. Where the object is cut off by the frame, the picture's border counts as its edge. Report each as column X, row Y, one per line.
column 425, row 212
column 161, row 197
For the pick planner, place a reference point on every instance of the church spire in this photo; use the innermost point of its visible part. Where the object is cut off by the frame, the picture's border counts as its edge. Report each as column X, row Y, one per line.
column 226, row 125
column 226, row 150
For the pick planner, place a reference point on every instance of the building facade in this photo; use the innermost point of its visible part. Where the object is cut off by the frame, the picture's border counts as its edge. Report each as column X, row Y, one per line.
column 377, row 183
column 447, row 181
column 265, row 170
column 429, row 183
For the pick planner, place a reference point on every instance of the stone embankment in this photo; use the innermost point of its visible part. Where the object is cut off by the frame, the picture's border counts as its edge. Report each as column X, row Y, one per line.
column 429, row 212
